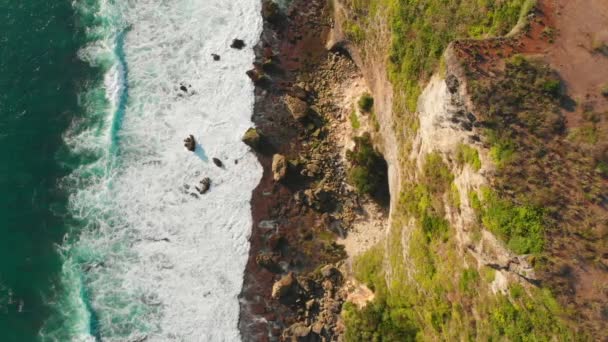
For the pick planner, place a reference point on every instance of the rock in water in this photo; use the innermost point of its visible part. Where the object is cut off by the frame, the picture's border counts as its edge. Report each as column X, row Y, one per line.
column 252, row 138
column 216, row 57
column 218, row 162
column 271, row 11
column 297, row 107
column 258, row 77
column 205, row 184
column 279, row 167
column 190, row 143
column 237, row 44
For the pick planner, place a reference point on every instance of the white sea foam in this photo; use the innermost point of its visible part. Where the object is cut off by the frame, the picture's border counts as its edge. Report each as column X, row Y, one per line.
column 159, row 262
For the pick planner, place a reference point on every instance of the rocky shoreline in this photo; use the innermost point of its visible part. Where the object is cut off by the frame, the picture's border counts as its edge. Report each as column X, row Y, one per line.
column 293, row 284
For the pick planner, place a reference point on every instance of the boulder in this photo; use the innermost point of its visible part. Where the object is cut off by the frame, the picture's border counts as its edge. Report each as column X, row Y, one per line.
column 217, row 162
column 284, row 286
column 299, row 92
column 205, row 184
column 299, row 332
column 252, row 138
column 329, row 271
column 190, row 143
column 216, row 57
column 279, row 167
column 297, row 107
column 237, row 44
column 258, row 77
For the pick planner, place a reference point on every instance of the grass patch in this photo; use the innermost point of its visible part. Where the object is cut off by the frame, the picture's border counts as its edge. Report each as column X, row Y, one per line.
column 466, row 154
column 368, row 268
column 354, row 120
column 521, row 227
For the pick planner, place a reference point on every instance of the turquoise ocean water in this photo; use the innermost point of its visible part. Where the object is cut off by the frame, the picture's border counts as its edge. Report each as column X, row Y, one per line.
column 101, row 236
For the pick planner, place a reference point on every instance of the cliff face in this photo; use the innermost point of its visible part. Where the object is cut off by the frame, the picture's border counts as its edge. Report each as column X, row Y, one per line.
column 465, row 255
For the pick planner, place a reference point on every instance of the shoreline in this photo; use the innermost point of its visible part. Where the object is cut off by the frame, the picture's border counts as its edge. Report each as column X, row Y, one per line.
column 294, row 281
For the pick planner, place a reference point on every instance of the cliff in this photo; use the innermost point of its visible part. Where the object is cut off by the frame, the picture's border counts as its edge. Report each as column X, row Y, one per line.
column 482, row 243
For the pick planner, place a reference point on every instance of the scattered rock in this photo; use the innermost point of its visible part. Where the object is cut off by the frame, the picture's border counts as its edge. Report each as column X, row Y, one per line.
column 205, row 184
column 252, row 138
column 216, row 57
column 237, row 44
column 218, row 162
column 297, row 107
column 279, row 167
column 190, row 143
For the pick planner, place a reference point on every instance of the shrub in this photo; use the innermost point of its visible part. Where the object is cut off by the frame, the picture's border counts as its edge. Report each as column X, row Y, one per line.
column 369, row 169
column 366, row 103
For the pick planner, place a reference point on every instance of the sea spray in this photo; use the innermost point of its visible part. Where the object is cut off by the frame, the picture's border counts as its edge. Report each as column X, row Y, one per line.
column 150, row 258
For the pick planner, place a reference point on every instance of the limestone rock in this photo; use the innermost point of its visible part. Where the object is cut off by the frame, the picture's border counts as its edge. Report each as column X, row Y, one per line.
column 297, row 107
column 279, row 167
column 452, row 82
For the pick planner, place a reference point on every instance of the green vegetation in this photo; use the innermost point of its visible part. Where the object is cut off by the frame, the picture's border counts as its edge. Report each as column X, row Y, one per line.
column 521, row 227
column 366, row 103
column 434, row 297
column 368, row 267
column 468, row 155
column 422, row 29
column 354, row 120
column 605, row 90
column 368, row 171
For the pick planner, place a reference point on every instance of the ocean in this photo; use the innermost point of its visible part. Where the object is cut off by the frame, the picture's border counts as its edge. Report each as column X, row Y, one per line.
column 103, row 235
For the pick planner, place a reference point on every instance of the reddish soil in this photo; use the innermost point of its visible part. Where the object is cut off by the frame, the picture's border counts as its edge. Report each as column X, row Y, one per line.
column 581, row 25
column 566, row 34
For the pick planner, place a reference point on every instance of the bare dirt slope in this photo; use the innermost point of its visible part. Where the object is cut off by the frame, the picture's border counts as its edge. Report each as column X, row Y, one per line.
column 581, row 28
